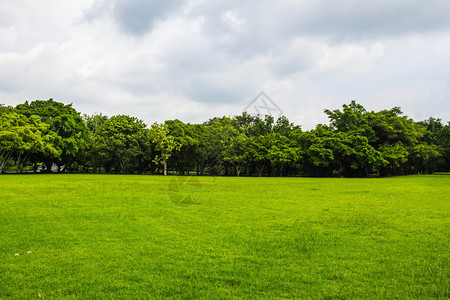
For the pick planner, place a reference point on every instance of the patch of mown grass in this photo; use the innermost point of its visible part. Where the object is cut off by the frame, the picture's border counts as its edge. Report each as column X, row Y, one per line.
column 106, row 236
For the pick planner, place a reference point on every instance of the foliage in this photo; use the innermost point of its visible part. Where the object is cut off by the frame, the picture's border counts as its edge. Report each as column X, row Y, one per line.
column 21, row 137
column 355, row 143
column 184, row 159
column 92, row 158
column 164, row 143
column 122, row 143
column 68, row 125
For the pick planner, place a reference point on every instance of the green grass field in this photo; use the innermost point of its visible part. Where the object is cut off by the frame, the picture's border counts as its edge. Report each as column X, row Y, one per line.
column 110, row 236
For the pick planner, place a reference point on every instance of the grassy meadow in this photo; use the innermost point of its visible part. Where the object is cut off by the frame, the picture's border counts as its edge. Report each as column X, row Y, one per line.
column 138, row 237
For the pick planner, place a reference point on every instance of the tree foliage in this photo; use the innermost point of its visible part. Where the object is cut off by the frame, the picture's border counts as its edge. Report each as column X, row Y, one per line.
column 355, row 143
column 122, row 143
column 68, row 125
column 164, row 143
column 21, row 137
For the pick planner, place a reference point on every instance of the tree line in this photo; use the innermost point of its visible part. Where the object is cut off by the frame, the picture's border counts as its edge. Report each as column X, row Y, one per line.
column 46, row 136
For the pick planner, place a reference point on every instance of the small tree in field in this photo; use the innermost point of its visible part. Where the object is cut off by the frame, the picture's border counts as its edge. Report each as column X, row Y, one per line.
column 164, row 143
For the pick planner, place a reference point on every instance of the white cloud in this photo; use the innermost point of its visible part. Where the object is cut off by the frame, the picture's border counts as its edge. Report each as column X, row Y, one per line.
column 233, row 20
column 197, row 59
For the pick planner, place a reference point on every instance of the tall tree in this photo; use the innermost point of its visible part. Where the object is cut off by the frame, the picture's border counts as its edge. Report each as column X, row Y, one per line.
column 283, row 126
column 258, row 151
column 123, row 143
column 183, row 159
column 5, row 109
column 164, row 143
column 92, row 156
column 444, row 148
column 21, row 137
column 235, row 150
column 68, row 125
column 282, row 153
column 352, row 118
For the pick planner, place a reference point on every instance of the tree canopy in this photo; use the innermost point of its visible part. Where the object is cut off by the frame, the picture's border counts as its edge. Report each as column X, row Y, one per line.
column 45, row 135
column 64, row 121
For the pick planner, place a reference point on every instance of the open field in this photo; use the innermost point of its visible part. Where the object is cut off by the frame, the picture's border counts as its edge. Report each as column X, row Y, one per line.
column 107, row 236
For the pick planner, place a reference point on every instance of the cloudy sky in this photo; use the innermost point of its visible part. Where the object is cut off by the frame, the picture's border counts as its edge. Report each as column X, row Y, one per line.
column 196, row 59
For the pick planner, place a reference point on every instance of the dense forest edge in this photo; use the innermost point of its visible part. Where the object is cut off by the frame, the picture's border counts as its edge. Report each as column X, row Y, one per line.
column 50, row 136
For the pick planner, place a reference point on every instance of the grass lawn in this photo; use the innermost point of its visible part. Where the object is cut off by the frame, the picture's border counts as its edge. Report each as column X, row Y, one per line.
column 110, row 236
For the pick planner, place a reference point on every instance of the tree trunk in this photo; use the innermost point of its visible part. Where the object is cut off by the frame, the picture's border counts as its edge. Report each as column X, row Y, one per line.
column 4, row 160
column 18, row 162
column 122, row 166
column 49, row 165
column 260, row 169
column 165, row 166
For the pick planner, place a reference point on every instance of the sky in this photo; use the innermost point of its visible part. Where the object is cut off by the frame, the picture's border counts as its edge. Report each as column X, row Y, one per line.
column 193, row 60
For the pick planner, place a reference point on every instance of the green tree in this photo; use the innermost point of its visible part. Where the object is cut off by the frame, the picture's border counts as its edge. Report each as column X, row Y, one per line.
column 227, row 144
column 393, row 140
column 164, row 143
column 432, row 152
column 282, row 153
column 68, row 125
column 21, row 137
column 444, row 148
column 184, row 159
column 283, row 126
column 235, row 150
column 6, row 109
column 9, row 138
column 352, row 119
column 92, row 156
column 214, row 144
column 328, row 152
column 200, row 155
column 258, row 148
column 123, row 143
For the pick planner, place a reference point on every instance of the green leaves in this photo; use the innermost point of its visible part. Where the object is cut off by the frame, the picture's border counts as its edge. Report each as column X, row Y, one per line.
column 63, row 121
column 356, row 142
column 122, row 143
column 164, row 143
column 21, row 136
